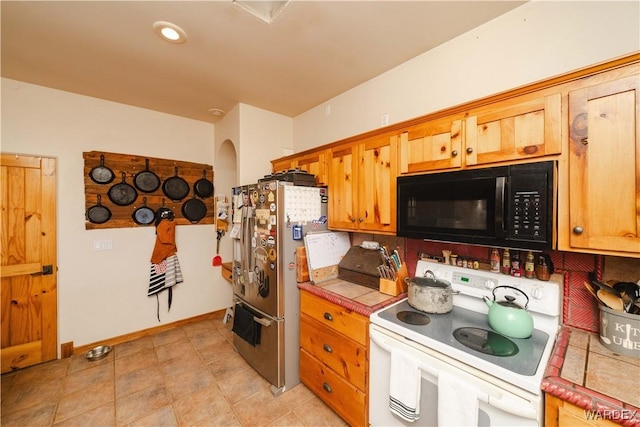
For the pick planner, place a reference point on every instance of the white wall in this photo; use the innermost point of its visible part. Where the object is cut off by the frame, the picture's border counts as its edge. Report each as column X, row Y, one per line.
column 532, row 42
column 265, row 136
column 104, row 294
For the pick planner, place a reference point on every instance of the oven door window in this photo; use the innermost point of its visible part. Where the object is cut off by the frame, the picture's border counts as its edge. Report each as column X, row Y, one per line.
column 446, row 209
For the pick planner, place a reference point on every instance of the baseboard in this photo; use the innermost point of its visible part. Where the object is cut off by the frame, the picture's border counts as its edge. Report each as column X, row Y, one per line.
column 219, row 314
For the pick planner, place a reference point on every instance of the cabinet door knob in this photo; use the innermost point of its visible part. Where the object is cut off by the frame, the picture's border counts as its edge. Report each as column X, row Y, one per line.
column 327, row 348
column 578, row 230
column 469, row 150
column 360, row 219
column 328, row 316
column 454, row 153
column 327, row 388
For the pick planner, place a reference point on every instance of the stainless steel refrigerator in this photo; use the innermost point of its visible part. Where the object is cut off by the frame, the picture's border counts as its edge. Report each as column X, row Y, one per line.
column 270, row 220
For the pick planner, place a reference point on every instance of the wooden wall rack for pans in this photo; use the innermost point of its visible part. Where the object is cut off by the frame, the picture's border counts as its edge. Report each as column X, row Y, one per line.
column 131, row 165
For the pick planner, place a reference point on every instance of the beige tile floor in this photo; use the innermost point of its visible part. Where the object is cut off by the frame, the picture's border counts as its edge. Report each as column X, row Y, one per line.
column 187, row 376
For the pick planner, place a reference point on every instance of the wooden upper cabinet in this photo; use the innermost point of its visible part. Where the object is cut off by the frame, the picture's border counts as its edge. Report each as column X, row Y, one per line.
column 279, row 165
column 431, row 146
column 604, row 167
column 343, row 205
column 362, row 185
column 523, row 127
column 313, row 162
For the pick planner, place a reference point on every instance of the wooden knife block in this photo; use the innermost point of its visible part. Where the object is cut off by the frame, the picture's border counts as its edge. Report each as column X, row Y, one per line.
column 395, row 287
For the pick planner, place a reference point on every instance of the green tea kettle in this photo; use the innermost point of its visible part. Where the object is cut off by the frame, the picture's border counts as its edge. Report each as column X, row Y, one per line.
column 508, row 317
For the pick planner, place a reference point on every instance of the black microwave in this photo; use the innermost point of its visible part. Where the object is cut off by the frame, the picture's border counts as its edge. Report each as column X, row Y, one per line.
column 507, row 206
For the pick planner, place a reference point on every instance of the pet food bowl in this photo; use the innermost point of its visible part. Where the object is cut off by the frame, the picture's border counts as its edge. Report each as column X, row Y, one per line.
column 97, row 353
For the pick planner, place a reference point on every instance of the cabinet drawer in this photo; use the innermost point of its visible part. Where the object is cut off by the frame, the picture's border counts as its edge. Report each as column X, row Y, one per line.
column 346, row 357
column 340, row 319
column 342, row 397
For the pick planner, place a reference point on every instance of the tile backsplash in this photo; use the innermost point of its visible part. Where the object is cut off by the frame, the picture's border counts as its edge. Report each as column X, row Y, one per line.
column 580, row 309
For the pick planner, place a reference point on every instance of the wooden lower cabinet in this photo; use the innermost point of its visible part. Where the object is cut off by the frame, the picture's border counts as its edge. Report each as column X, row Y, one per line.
column 559, row 413
column 334, row 357
column 343, row 397
column 226, row 271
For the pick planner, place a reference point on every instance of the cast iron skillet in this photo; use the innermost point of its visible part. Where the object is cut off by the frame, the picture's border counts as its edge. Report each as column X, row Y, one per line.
column 194, row 209
column 164, row 213
column 143, row 215
column 98, row 214
column 101, row 174
column 203, row 187
column 122, row 193
column 146, row 181
column 175, row 188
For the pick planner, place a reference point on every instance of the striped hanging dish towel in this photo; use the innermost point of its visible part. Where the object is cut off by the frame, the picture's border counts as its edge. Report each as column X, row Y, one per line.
column 164, row 275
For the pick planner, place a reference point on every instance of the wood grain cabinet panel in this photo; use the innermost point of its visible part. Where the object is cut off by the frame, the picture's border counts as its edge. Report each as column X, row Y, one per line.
column 314, row 162
column 338, row 318
column 343, row 397
column 429, row 146
column 334, row 356
column 343, row 356
column 516, row 129
column 559, row 413
column 362, row 185
column 604, row 168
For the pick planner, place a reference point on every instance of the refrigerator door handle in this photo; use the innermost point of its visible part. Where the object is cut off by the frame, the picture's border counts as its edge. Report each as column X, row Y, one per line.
column 262, row 321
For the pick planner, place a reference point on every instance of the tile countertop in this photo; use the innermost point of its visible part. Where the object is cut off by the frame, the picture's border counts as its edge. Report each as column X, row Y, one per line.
column 585, row 373
column 357, row 298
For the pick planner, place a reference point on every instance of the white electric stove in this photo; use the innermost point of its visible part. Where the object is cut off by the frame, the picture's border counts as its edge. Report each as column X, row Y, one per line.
column 505, row 372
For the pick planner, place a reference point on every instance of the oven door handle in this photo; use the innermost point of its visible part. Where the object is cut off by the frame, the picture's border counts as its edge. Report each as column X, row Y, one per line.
column 511, row 408
column 505, row 406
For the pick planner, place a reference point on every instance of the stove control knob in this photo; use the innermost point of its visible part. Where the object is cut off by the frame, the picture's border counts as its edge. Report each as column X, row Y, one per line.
column 537, row 293
column 489, row 284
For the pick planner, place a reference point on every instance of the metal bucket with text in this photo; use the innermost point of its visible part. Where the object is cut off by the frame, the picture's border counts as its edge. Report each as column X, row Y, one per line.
column 620, row 332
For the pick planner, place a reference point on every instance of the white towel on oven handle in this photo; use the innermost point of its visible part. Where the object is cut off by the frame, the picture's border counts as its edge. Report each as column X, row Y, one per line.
column 404, row 385
column 457, row 401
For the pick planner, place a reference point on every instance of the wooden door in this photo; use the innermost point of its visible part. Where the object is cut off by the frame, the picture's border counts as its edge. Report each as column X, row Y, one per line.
column 604, row 167
column 343, row 203
column 434, row 145
column 29, row 266
column 377, row 174
column 524, row 127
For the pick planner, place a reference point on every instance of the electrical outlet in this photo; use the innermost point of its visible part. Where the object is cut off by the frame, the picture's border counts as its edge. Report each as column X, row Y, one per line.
column 102, row 245
column 384, row 121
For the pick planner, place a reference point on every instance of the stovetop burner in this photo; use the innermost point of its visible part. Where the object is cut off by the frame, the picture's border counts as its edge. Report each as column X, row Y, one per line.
column 413, row 318
column 441, row 327
column 487, row 342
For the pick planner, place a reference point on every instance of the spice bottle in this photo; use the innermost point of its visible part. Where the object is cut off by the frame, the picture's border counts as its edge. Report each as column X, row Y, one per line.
column 542, row 269
column 454, row 259
column 495, row 261
column 529, row 266
column 506, row 262
column 516, row 270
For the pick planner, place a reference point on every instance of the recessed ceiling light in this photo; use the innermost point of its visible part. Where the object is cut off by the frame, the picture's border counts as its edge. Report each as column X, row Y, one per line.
column 170, row 32
column 216, row 112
